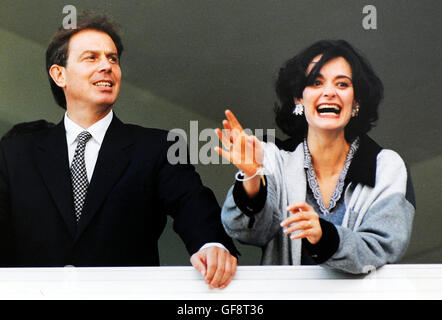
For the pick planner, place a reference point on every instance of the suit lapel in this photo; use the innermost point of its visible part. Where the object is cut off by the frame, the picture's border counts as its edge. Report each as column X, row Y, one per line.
column 111, row 163
column 52, row 161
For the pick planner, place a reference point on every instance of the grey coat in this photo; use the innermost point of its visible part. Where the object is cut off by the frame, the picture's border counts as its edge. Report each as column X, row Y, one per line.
column 377, row 224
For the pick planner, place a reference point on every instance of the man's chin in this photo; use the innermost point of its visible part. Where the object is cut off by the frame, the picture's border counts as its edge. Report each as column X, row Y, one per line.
column 105, row 104
column 106, row 99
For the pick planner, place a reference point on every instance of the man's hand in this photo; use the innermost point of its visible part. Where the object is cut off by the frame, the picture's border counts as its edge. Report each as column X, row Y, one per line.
column 216, row 265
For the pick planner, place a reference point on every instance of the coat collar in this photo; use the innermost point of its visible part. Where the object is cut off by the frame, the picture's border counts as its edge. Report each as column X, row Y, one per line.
column 52, row 161
column 51, row 156
column 363, row 166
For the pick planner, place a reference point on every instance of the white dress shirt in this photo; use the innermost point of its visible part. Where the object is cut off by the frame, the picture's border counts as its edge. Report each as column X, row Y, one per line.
column 97, row 130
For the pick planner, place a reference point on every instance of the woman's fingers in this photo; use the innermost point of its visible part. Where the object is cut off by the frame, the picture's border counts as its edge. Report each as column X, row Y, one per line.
column 232, row 119
column 224, row 137
column 258, row 153
column 299, row 206
column 297, row 216
column 302, row 223
column 223, row 153
column 299, row 226
column 228, row 130
column 226, row 125
column 234, row 123
column 240, row 153
column 232, row 130
column 242, row 150
column 305, row 233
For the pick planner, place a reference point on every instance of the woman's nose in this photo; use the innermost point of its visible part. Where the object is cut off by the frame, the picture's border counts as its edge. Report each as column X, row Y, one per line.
column 329, row 91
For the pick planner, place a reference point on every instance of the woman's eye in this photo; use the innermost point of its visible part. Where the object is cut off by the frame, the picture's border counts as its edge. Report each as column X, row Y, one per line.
column 343, row 84
column 317, row 83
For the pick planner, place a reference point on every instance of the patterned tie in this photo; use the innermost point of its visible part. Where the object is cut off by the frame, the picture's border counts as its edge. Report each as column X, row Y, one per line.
column 78, row 173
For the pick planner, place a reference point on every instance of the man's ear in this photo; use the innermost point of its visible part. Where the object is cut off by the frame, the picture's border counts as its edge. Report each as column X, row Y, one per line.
column 57, row 74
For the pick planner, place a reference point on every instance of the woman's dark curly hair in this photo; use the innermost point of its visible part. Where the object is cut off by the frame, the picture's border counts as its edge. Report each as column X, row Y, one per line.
column 292, row 79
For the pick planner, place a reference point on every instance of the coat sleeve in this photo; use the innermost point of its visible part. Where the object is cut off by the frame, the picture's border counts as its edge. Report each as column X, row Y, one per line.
column 258, row 225
column 193, row 206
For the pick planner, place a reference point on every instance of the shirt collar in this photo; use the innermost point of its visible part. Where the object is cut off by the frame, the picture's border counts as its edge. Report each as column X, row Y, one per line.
column 363, row 166
column 97, row 130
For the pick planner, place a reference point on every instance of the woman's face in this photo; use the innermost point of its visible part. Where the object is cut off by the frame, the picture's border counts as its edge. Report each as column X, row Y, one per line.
column 329, row 100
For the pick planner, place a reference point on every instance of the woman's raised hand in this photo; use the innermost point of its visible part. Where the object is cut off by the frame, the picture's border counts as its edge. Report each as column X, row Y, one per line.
column 243, row 150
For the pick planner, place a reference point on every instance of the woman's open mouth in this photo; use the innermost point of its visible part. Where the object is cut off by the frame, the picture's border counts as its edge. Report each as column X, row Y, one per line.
column 328, row 109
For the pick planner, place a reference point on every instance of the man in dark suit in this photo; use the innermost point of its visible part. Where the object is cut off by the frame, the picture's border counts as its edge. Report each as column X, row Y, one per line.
column 93, row 191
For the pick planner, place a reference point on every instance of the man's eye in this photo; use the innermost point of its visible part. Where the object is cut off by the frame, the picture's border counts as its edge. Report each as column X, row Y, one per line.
column 113, row 59
column 89, row 58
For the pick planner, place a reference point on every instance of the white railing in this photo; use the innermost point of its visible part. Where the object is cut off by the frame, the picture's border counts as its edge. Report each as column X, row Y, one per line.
column 403, row 281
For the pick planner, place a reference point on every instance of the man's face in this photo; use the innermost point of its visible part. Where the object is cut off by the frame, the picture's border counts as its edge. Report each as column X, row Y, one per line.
column 92, row 75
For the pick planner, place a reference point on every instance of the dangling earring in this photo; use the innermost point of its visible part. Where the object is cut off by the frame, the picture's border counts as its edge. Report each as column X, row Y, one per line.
column 355, row 111
column 299, row 109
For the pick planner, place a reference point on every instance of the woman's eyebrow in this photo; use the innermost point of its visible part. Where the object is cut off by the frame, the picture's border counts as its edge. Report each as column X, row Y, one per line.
column 343, row 76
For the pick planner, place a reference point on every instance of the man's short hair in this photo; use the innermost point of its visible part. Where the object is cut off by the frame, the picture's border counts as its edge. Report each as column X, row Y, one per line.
column 58, row 49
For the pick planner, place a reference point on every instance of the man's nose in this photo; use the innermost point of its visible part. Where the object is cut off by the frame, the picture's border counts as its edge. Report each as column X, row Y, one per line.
column 104, row 64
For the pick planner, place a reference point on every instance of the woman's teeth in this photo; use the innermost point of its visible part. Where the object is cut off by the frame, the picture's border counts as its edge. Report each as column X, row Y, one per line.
column 329, row 108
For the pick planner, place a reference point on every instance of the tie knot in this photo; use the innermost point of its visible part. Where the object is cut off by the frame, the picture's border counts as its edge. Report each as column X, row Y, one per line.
column 84, row 136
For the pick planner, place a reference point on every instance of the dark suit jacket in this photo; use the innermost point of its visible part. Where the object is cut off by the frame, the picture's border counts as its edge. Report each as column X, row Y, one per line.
column 132, row 189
